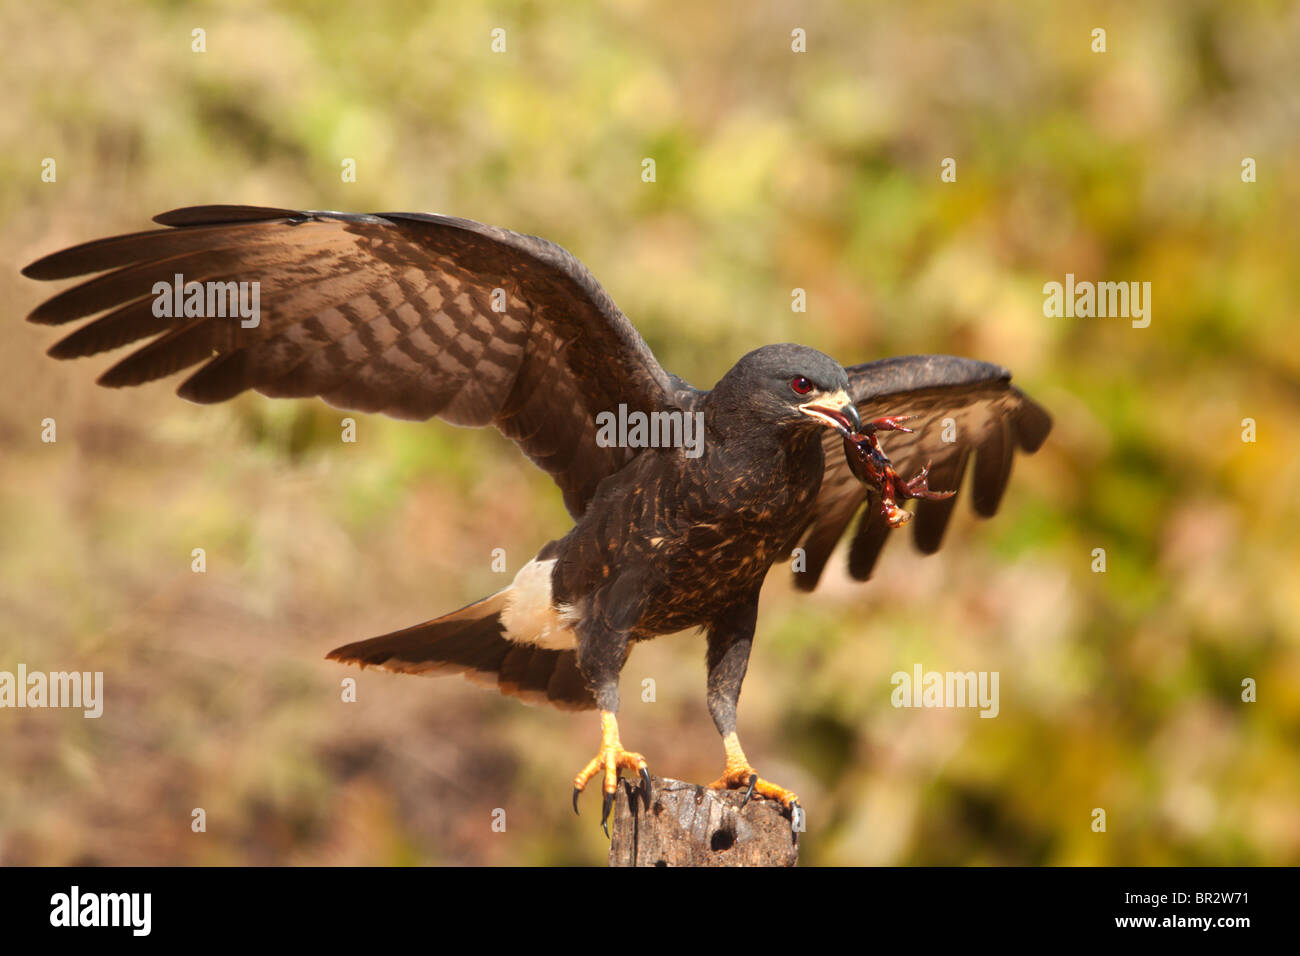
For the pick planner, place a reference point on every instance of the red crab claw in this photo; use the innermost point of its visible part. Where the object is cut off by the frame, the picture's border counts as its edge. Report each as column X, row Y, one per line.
column 891, row 423
column 919, row 487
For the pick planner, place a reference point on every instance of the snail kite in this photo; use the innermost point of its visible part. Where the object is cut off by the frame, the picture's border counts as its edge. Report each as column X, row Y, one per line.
column 422, row 316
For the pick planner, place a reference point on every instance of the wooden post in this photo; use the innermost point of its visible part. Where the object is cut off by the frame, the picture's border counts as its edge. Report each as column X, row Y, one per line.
column 690, row 825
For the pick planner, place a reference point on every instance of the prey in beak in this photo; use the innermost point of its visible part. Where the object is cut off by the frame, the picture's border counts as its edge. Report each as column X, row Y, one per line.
column 865, row 457
column 873, row 468
column 837, row 411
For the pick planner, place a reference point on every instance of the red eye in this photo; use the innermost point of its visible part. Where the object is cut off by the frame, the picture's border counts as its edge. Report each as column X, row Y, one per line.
column 801, row 385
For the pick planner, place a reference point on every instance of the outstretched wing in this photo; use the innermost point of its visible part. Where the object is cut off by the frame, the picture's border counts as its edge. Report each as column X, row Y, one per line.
column 411, row 315
column 990, row 420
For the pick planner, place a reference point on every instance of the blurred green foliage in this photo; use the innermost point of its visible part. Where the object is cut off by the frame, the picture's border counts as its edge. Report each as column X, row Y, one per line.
column 775, row 170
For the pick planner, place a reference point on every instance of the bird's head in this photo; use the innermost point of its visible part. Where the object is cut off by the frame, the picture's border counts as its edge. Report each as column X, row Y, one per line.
column 790, row 386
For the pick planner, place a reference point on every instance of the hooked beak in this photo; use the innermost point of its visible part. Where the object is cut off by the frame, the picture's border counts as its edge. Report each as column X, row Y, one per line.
column 835, row 411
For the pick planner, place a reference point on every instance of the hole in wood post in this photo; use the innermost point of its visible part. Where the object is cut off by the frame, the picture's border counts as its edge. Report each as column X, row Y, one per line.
column 723, row 839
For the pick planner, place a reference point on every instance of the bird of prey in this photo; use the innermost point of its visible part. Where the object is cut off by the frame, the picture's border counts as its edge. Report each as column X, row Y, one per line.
column 420, row 316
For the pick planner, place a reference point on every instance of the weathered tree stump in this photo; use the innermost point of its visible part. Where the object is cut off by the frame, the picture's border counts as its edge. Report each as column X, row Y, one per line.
column 690, row 825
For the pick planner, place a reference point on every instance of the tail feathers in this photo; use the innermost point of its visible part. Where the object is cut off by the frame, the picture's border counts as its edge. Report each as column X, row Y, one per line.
column 472, row 642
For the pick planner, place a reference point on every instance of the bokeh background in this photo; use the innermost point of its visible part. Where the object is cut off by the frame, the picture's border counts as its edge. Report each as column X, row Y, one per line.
column 775, row 170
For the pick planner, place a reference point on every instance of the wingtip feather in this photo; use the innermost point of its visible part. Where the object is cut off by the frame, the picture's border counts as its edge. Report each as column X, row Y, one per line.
column 216, row 215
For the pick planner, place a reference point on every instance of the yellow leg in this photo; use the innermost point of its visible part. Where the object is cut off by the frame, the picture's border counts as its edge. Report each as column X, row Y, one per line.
column 612, row 758
column 739, row 773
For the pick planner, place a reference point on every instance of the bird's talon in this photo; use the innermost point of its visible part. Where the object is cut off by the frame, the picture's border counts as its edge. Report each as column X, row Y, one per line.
column 611, row 759
column 749, row 791
column 748, row 778
column 645, row 782
column 604, row 811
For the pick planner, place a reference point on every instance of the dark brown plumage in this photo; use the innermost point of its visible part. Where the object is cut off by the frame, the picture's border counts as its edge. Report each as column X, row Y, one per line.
column 418, row 316
column 388, row 314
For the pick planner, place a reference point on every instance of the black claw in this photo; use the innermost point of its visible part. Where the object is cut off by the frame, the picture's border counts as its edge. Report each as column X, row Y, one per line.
column 645, row 783
column 576, row 792
column 604, row 812
column 753, row 779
